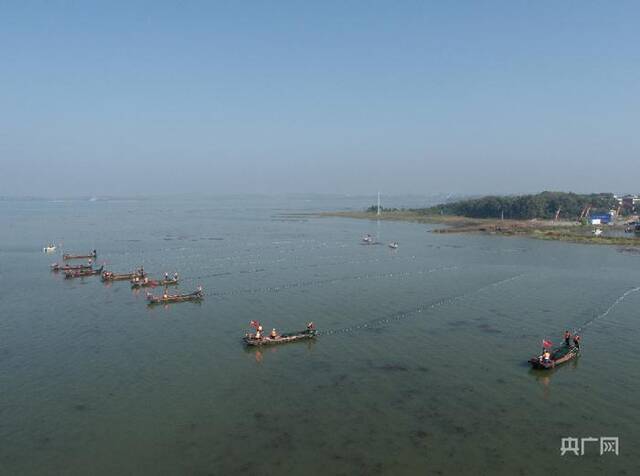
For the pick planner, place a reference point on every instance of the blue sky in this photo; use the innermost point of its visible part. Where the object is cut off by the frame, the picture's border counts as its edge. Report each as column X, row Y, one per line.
column 337, row 97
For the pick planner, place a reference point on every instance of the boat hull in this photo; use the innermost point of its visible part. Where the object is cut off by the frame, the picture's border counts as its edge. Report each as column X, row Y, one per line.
column 282, row 339
column 558, row 357
column 82, row 273
column 106, row 276
column 68, row 257
column 196, row 296
column 153, row 283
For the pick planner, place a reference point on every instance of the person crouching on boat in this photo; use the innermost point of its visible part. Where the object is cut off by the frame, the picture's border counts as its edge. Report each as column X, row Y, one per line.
column 258, row 334
column 567, row 338
column 546, row 356
column 576, row 341
column 273, row 334
column 310, row 327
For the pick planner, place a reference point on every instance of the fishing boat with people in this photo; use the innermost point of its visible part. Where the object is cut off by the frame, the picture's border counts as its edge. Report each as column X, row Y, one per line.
column 393, row 245
column 66, row 267
column 145, row 282
column 258, row 338
column 83, row 273
column 110, row 276
column 551, row 358
column 92, row 255
column 50, row 248
column 167, row 298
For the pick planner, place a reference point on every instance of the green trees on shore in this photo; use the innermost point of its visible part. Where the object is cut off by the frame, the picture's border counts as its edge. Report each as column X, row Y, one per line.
column 524, row 207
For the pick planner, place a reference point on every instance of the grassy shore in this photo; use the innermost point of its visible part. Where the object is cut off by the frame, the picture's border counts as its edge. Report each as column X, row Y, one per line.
column 541, row 229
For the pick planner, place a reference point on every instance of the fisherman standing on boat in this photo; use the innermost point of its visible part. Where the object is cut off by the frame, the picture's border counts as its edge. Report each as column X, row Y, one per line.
column 567, row 338
column 259, row 332
column 546, row 356
column 175, row 276
column 576, row 341
column 166, row 276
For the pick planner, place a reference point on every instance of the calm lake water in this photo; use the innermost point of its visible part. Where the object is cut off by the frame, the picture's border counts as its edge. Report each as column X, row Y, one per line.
column 420, row 367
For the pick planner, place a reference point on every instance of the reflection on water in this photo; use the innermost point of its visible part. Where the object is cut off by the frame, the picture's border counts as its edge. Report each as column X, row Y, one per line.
column 419, row 366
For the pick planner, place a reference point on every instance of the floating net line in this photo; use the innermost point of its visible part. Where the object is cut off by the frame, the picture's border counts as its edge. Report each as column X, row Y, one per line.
column 423, row 308
column 322, row 282
column 609, row 309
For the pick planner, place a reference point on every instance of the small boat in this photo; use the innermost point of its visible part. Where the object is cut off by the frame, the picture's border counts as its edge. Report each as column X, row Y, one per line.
column 559, row 356
column 65, row 267
column 166, row 298
column 49, row 249
column 309, row 333
column 109, row 276
column 368, row 240
column 82, row 273
column 393, row 245
column 93, row 254
column 145, row 283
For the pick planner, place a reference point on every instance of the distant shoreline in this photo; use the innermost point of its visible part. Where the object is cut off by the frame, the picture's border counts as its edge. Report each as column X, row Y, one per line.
column 568, row 231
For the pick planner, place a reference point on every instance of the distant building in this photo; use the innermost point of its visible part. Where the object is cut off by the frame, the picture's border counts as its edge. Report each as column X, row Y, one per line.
column 630, row 203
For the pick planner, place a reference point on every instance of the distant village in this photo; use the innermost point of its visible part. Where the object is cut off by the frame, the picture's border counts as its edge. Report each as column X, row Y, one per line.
column 628, row 207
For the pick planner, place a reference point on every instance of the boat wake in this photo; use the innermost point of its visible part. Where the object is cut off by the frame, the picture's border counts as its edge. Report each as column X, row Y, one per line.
column 420, row 309
column 610, row 308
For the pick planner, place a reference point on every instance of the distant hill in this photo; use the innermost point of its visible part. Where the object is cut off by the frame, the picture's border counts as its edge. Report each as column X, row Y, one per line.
column 525, row 207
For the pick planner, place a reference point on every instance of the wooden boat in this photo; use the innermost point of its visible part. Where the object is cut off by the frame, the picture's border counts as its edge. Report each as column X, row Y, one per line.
column 559, row 356
column 82, row 273
column 93, row 254
column 169, row 298
column 65, row 267
column 152, row 283
column 109, row 276
column 309, row 333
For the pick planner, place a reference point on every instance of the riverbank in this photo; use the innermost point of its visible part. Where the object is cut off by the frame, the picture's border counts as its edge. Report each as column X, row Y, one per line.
column 541, row 229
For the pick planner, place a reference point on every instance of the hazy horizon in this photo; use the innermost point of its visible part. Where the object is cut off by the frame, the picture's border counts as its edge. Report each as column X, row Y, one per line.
column 333, row 98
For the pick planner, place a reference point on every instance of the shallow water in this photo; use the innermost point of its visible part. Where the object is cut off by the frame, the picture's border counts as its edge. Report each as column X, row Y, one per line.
column 420, row 367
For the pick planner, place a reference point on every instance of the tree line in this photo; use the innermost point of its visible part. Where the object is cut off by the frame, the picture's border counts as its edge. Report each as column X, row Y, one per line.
column 543, row 205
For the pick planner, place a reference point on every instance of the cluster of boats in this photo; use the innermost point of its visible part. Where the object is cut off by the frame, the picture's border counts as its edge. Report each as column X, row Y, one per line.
column 138, row 278
column 549, row 359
